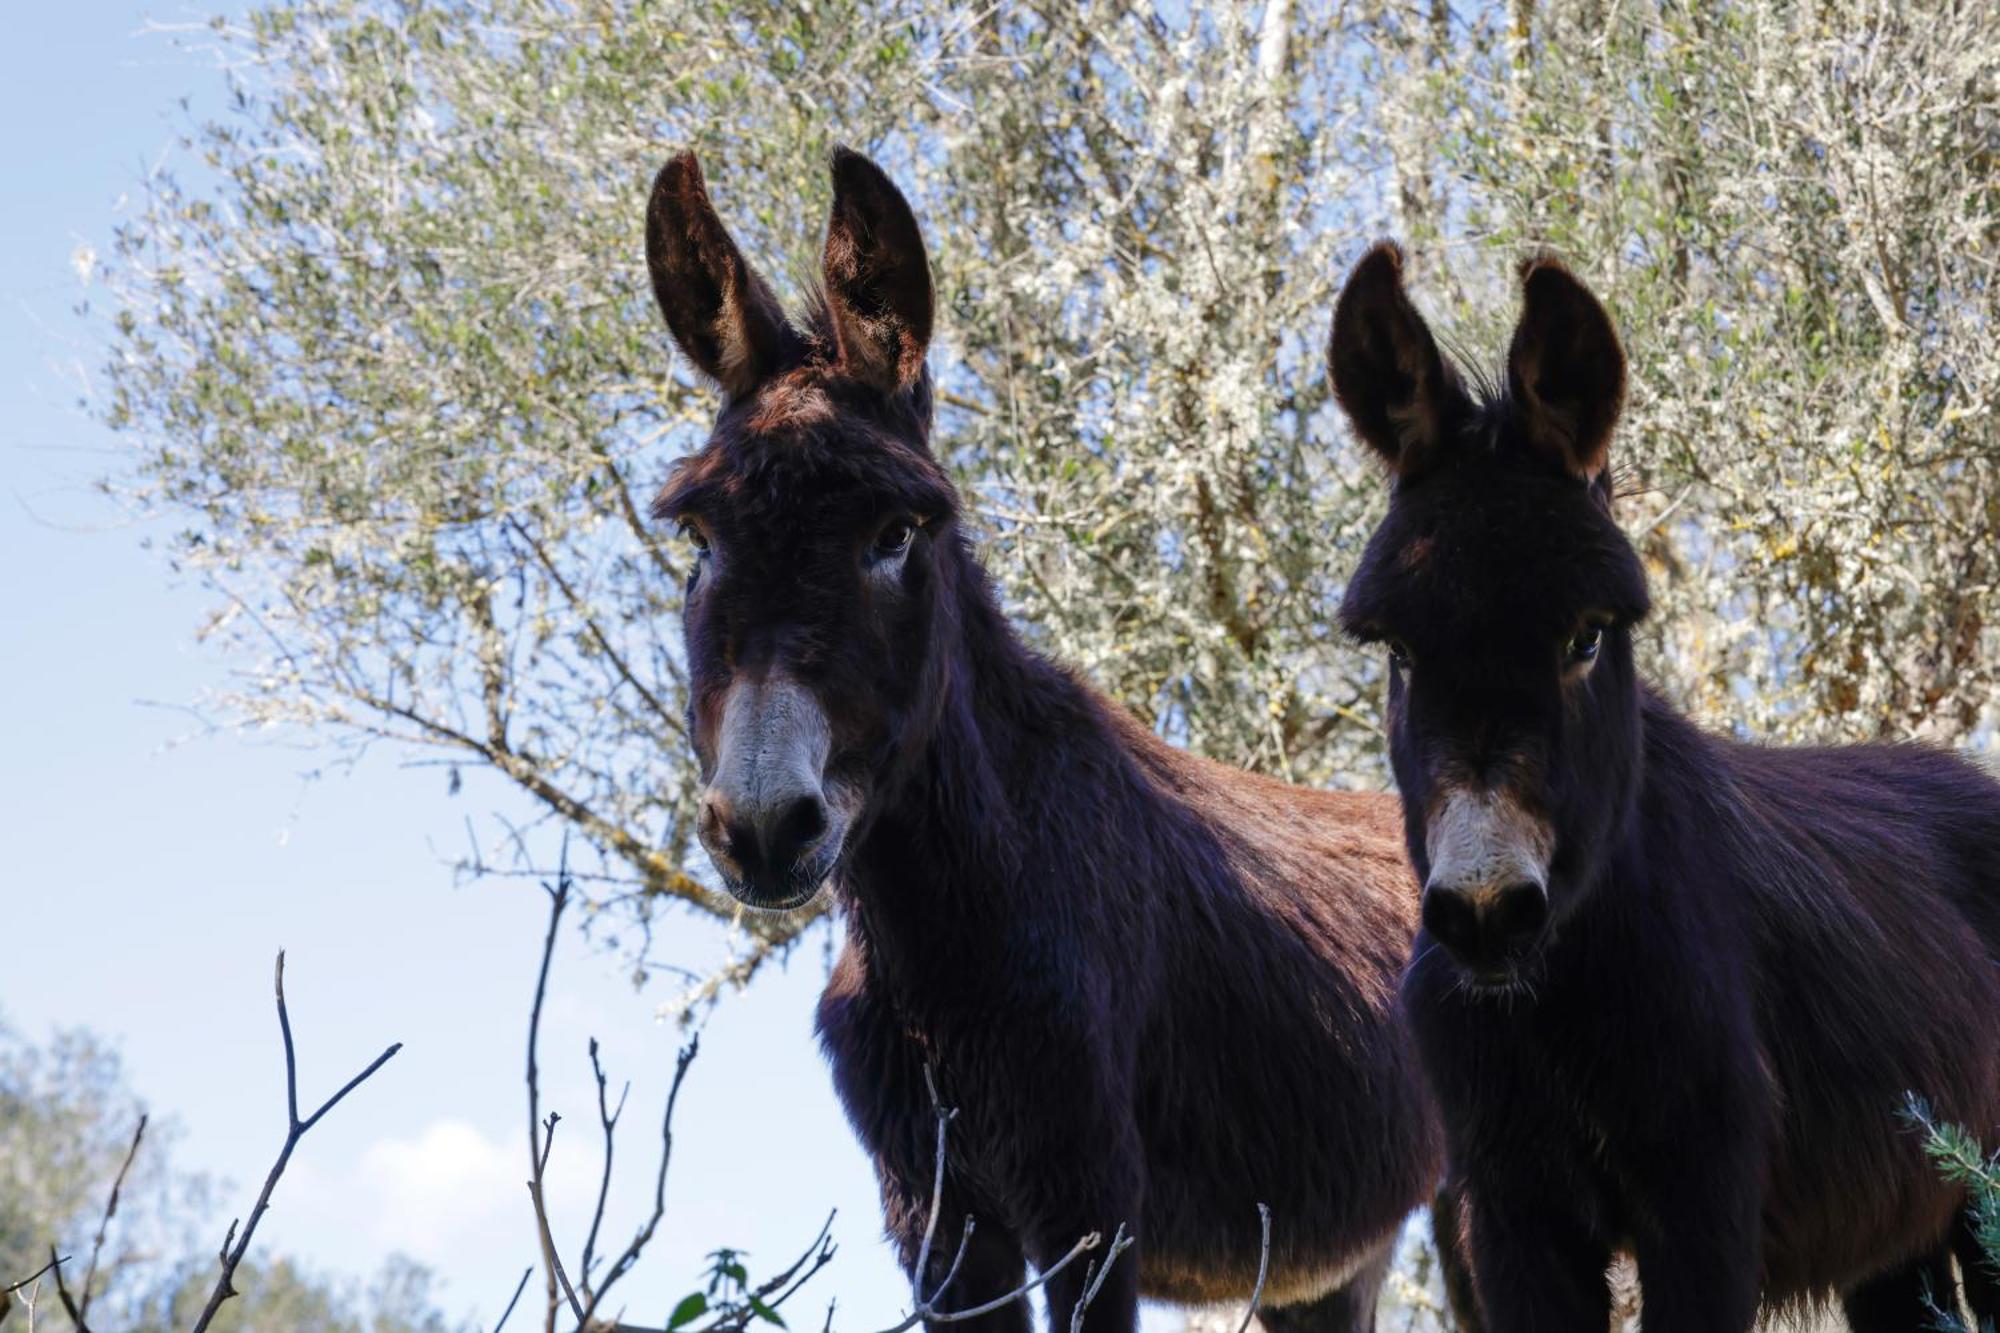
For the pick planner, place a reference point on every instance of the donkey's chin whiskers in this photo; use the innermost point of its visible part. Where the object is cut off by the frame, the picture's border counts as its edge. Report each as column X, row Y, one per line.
column 1516, row 986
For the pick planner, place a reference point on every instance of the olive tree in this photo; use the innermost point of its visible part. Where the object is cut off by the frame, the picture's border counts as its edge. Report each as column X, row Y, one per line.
column 385, row 357
column 1793, row 210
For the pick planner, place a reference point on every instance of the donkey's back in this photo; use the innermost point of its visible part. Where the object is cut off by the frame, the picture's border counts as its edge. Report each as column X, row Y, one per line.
column 1873, row 878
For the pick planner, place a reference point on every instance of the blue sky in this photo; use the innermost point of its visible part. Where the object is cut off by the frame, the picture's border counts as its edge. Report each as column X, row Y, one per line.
column 151, row 876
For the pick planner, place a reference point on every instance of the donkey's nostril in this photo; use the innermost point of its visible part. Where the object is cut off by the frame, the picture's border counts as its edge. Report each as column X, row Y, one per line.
column 1451, row 919
column 1515, row 916
column 796, row 826
column 711, row 824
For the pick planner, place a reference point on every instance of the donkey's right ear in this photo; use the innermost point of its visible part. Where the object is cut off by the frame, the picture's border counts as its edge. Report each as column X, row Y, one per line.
column 1395, row 386
column 721, row 313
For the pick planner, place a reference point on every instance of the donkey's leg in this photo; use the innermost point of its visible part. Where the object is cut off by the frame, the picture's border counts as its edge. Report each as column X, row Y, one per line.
column 1698, row 1237
column 1114, row 1308
column 992, row 1264
column 1535, row 1264
column 1913, row 1296
column 1351, row 1309
column 1100, row 1196
column 1981, row 1274
column 1698, row 1268
column 1448, row 1235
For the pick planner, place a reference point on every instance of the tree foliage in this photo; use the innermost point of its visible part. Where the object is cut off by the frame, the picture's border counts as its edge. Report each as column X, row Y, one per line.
column 1793, row 211
column 386, row 358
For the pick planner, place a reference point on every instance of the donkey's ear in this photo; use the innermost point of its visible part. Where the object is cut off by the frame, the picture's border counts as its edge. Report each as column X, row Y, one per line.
column 1396, row 387
column 721, row 313
column 1565, row 369
column 878, row 280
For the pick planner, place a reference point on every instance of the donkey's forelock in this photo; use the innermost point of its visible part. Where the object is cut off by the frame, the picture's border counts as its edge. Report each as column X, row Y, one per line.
column 841, row 462
column 1480, row 550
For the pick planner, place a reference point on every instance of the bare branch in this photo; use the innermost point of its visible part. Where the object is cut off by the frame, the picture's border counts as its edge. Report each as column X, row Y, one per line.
column 104, row 1221
column 1263, row 1268
column 643, row 1237
column 235, row 1246
column 1093, row 1277
column 538, row 1154
column 607, row 1118
column 35, row 1276
column 515, row 1299
column 62, row 1294
column 775, row 1291
column 31, row 1288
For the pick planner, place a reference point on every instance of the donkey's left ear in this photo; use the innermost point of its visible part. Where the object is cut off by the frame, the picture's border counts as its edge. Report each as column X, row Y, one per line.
column 1565, row 369
column 878, row 279
column 1400, row 394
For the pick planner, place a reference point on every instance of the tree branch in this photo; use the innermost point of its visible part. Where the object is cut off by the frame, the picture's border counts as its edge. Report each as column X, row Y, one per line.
column 104, row 1223
column 234, row 1247
column 1263, row 1268
column 515, row 1299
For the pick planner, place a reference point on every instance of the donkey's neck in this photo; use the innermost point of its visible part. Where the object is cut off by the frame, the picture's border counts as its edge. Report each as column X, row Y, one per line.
column 1022, row 778
column 1683, row 797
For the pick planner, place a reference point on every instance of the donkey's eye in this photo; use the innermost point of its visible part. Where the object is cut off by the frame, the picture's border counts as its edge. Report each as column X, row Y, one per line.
column 1583, row 647
column 695, row 536
column 1399, row 653
column 894, row 539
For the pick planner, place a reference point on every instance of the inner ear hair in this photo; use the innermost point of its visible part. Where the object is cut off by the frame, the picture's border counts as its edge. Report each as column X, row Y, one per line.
column 876, row 277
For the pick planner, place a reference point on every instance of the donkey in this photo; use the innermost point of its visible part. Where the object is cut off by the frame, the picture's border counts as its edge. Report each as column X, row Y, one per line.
column 1159, row 991
column 1671, row 990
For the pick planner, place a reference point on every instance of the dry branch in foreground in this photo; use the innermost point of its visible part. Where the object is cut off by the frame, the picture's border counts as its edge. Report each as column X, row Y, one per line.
column 235, row 1246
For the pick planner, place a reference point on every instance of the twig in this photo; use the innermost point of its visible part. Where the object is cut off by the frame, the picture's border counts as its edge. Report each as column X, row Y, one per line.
column 35, row 1276
column 644, row 1235
column 519, row 1287
column 32, row 1286
column 1263, row 1268
column 768, row 1295
column 541, row 1134
column 735, row 1316
column 538, row 1155
column 608, row 1119
column 104, row 1222
column 62, row 1294
column 234, row 1247
column 1093, row 1277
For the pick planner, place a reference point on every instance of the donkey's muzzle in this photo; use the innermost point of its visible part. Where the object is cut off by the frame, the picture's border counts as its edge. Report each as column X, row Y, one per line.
column 766, row 818
column 1487, row 929
column 768, row 850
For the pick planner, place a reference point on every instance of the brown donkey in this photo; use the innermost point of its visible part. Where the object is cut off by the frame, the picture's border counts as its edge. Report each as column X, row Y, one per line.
column 1672, row 989
column 1159, row 990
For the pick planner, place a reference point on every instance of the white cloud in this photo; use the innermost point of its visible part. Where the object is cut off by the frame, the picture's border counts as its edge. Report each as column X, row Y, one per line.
column 448, row 1194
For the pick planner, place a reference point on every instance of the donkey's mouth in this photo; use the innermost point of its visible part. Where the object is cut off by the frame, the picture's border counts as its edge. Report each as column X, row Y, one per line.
column 769, row 889
column 750, row 897
column 1510, row 981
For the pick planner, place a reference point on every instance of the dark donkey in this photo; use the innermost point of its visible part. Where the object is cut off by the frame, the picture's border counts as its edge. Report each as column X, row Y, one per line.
column 1159, row 990
column 1671, row 989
